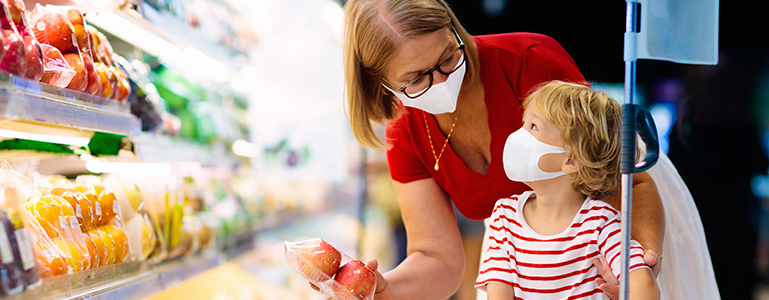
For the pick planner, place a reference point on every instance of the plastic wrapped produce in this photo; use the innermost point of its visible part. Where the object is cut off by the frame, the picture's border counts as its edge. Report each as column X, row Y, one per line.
column 11, row 275
column 58, row 220
column 52, row 260
column 14, row 58
column 53, row 28
column 82, row 47
column 106, row 81
column 109, row 220
column 19, row 237
column 31, row 46
column 57, row 71
column 79, row 82
column 333, row 272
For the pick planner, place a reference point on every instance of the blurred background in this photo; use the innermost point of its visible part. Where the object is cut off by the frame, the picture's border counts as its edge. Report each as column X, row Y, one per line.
column 226, row 135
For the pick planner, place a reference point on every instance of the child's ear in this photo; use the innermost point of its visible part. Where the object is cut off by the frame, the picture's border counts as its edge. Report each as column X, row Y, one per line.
column 569, row 165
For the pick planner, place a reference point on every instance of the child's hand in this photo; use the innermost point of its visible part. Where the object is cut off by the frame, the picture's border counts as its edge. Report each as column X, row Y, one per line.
column 608, row 283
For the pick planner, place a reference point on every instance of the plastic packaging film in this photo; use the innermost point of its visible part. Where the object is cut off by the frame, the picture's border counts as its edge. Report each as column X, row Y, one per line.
column 333, row 272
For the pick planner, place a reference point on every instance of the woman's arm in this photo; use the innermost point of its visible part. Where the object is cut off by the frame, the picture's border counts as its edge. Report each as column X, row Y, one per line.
column 648, row 223
column 436, row 260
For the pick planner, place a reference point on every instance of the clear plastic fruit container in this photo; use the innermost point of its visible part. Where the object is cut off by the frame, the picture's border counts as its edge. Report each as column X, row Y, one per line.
column 333, row 272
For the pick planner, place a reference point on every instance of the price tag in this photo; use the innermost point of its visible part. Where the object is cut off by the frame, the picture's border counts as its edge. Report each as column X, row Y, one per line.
column 78, row 210
column 6, row 252
column 17, row 221
column 25, row 248
column 98, row 210
column 74, row 222
column 64, row 223
column 116, row 207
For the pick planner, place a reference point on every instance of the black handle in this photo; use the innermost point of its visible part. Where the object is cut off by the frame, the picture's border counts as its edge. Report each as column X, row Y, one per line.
column 637, row 120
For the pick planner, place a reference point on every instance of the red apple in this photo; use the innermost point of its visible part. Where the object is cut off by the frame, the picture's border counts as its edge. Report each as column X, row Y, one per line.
column 57, row 70
column 317, row 260
column 53, row 28
column 75, row 17
column 34, row 58
column 94, row 80
column 80, row 81
column 15, row 59
column 354, row 281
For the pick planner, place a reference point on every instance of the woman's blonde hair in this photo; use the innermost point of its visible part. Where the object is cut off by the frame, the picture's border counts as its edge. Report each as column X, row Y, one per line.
column 590, row 129
column 373, row 29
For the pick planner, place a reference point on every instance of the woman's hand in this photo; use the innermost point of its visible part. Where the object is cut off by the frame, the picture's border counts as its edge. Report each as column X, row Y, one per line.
column 653, row 259
column 609, row 284
column 381, row 291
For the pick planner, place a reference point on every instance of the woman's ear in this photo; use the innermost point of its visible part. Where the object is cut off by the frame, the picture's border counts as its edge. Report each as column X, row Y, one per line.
column 569, row 165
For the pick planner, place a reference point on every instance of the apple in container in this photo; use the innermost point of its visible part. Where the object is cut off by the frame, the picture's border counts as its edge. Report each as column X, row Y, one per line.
column 15, row 58
column 354, row 281
column 80, row 81
column 316, row 259
column 53, row 28
column 57, row 71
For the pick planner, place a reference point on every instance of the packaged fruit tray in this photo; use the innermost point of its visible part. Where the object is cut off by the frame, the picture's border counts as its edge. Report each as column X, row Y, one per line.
column 26, row 87
column 333, row 272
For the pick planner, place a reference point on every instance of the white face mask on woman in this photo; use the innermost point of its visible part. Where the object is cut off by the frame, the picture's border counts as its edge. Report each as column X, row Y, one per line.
column 440, row 98
column 521, row 157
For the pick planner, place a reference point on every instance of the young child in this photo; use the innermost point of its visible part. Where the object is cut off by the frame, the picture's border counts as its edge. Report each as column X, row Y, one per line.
column 543, row 243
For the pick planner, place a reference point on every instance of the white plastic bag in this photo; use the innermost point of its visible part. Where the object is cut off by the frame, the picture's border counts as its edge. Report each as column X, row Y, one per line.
column 687, row 272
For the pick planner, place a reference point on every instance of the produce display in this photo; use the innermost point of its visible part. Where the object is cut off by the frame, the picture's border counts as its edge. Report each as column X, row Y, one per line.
column 54, row 45
column 67, row 232
column 92, row 222
column 319, row 262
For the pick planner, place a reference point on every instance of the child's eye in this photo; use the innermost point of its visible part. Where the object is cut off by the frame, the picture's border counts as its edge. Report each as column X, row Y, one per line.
column 534, row 127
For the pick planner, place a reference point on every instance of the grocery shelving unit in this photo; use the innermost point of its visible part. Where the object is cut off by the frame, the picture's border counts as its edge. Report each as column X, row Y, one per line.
column 33, row 109
column 38, row 108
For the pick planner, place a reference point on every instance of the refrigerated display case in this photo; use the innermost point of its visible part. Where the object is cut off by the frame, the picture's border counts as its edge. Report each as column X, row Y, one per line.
column 188, row 204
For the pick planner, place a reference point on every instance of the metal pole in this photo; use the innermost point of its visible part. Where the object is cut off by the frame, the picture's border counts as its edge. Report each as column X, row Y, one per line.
column 627, row 152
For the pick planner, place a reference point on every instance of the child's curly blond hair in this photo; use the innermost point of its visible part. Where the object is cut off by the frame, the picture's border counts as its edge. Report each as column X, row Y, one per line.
column 590, row 129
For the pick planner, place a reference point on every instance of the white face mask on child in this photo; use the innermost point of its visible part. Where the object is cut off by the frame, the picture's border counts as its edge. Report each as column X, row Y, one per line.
column 521, row 157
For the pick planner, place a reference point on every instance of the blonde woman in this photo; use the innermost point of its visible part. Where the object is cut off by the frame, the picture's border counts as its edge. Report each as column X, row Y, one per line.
column 543, row 242
column 449, row 101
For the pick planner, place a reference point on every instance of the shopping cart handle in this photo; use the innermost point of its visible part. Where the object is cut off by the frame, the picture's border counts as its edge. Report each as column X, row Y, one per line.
column 643, row 127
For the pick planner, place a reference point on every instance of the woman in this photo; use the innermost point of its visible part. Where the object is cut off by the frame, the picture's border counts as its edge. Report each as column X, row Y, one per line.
column 450, row 101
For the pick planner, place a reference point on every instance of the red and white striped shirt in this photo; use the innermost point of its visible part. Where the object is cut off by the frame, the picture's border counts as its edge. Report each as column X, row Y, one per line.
column 558, row 266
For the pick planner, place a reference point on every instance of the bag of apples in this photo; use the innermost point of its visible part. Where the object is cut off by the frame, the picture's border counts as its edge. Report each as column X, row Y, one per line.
column 333, row 272
column 14, row 57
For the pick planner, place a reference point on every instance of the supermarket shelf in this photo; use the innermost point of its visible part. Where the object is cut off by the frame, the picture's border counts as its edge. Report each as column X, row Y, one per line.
column 156, row 148
column 128, row 280
column 159, row 33
column 42, row 108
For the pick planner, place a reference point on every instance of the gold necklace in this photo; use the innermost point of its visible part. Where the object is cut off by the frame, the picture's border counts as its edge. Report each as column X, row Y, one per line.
column 430, row 138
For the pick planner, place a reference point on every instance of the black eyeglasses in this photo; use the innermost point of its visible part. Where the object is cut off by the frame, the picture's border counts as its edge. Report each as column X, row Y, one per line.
column 421, row 84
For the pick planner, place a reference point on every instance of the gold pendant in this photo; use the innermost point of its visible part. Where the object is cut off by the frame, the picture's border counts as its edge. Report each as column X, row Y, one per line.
column 436, row 166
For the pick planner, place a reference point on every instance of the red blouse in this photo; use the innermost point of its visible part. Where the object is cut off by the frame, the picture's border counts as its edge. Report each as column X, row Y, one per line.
column 511, row 65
